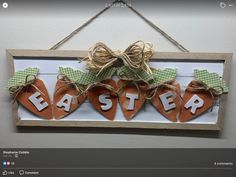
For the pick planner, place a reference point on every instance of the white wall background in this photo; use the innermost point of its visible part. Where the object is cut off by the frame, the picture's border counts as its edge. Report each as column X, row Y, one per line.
column 119, row 27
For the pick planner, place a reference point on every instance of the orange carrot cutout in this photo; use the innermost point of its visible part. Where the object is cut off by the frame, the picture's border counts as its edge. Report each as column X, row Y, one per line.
column 31, row 92
column 167, row 100
column 104, row 98
column 67, row 97
column 164, row 93
column 201, row 94
column 131, row 97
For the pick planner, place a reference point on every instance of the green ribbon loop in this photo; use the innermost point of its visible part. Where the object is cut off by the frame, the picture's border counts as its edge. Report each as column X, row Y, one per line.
column 123, row 72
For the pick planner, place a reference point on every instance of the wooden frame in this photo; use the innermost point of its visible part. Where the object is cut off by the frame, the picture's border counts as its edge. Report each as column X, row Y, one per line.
column 224, row 57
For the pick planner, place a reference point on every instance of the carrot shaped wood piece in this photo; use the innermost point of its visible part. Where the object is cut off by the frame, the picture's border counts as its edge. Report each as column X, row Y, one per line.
column 31, row 92
column 195, row 103
column 67, row 98
column 167, row 101
column 103, row 97
column 201, row 94
column 165, row 93
column 131, row 98
column 36, row 99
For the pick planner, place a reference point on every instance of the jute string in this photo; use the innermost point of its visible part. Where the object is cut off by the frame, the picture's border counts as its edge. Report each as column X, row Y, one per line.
column 16, row 90
column 69, row 83
column 139, row 85
column 81, row 89
column 199, row 86
column 99, row 84
column 156, row 28
column 152, row 90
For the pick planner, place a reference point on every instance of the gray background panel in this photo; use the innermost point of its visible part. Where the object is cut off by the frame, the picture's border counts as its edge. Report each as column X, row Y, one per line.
column 199, row 27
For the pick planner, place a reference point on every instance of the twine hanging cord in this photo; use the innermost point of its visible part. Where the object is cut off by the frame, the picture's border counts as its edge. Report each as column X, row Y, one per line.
column 156, row 28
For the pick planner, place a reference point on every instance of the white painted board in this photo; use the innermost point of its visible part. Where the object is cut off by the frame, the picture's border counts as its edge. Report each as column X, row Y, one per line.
column 49, row 71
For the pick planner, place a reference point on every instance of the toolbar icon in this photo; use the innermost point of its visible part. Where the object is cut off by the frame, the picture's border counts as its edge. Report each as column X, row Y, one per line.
column 21, row 172
column 222, row 5
column 5, row 5
column 4, row 173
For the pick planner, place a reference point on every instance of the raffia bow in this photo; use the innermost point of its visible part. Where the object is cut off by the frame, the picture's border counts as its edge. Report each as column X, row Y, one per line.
column 135, row 56
column 16, row 90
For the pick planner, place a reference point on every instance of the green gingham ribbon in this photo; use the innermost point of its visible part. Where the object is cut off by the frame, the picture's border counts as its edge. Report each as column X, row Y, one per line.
column 163, row 76
column 82, row 78
column 124, row 72
column 161, row 79
column 212, row 80
column 19, row 77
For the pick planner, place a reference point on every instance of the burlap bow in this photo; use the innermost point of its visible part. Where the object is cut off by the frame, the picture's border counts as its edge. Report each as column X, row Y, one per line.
column 135, row 56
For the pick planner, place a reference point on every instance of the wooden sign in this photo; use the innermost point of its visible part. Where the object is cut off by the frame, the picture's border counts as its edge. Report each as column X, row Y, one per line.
column 180, row 104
